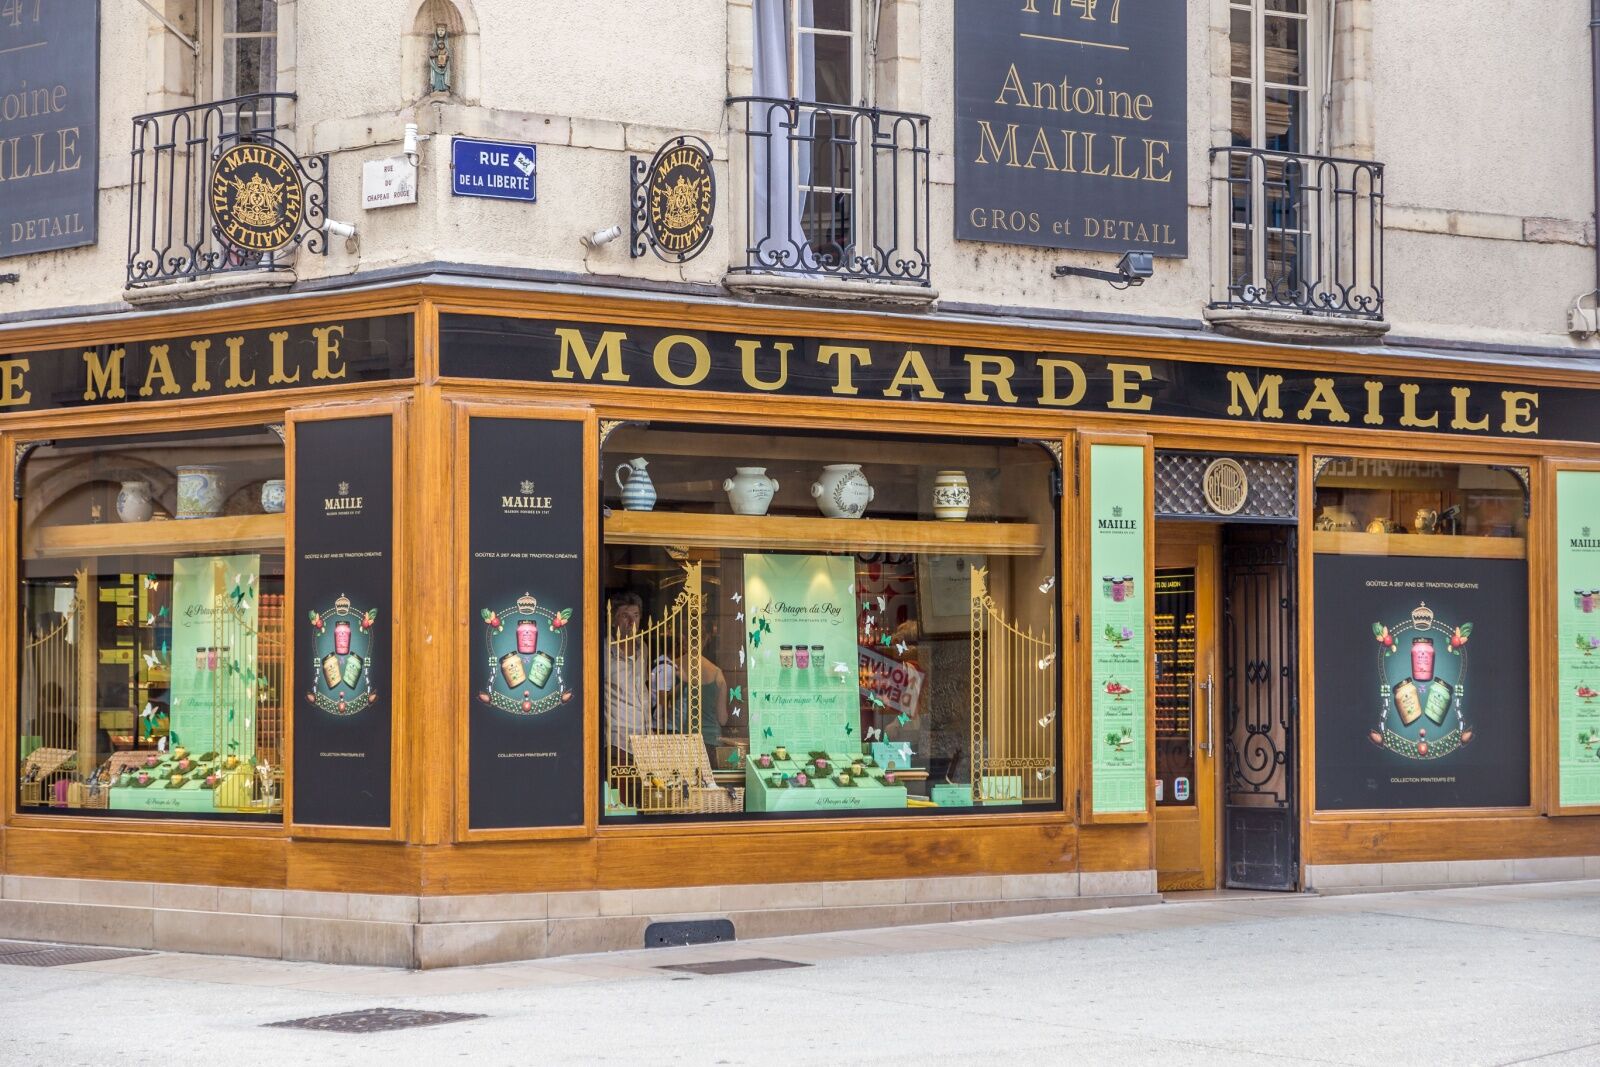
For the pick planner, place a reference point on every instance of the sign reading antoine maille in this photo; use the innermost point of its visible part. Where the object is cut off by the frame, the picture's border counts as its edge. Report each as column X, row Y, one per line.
column 181, row 368
column 485, row 347
column 257, row 199
column 49, row 124
column 1071, row 124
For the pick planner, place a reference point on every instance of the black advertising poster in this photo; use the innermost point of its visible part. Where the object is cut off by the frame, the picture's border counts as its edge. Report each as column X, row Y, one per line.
column 49, row 124
column 525, row 545
column 1421, row 683
column 344, row 620
column 1072, row 124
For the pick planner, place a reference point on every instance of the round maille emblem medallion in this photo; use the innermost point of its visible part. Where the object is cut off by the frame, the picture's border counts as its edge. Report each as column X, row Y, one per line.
column 681, row 196
column 1226, row 486
column 258, row 201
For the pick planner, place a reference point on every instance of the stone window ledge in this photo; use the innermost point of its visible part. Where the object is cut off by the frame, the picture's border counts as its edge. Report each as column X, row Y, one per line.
column 1261, row 324
column 833, row 290
column 231, row 284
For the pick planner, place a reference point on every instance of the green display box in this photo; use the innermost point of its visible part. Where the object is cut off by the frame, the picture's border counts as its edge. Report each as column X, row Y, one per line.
column 868, row 793
column 192, row 796
column 951, row 796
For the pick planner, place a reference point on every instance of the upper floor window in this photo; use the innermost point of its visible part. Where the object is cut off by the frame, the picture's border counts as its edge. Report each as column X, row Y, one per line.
column 245, row 48
column 1271, row 50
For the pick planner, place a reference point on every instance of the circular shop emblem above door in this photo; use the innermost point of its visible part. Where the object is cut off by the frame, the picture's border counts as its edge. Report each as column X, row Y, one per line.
column 258, row 201
column 1226, row 486
column 681, row 198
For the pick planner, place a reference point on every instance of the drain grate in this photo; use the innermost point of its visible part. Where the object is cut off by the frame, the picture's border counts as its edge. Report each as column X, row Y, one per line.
column 374, row 1020
column 759, row 963
column 34, row 954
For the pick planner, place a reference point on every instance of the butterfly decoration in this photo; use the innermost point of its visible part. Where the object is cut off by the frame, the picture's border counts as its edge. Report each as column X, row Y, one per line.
column 1048, row 584
column 902, row 719
column 872, row 733
column 733, row 758
column 163, row 611
column 1048, row 719
column 736, row 597
column 841, row 668
column 767, row 732
column 848, row 729
column 900, row 647
column 738, row 616
column 736, row 711
column 885, row 640
column 230, row 714
column 164, row 647
column 161, row 745
column 741, row 657
column 852, row 588
column 1044, row 664
column 875, row 699
column 872, row 620
column 149, row 711
column 1044, row 774
column 736, row 692
column 150, row 620
column 151, row 583
column 152, row 660
column 882, row 604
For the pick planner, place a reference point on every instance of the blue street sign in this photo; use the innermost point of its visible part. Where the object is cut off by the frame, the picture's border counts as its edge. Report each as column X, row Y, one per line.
column 498, row 170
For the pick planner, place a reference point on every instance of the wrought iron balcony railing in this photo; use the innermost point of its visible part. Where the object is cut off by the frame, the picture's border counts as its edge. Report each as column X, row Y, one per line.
column 172, row 230
column 833, row 191
column 1298, row 233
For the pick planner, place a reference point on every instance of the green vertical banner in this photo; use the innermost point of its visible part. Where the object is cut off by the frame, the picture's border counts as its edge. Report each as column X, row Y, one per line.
column 1578, row 635
column 215, row 620
column 801, row 651
column 1117, row 628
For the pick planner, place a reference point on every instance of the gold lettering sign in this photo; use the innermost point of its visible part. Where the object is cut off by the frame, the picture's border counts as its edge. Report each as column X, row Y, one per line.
column 257, row 198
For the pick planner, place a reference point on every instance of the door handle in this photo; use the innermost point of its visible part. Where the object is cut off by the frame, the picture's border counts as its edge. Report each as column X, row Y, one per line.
column 1210, row 743
column 1191, row 713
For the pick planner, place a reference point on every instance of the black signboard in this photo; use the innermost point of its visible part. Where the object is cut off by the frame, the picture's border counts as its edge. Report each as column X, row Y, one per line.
column 1072, row 124
column 766, row 365
column 49, row 124
column 336, row 352
column 343, row 620
column 525, row 545
column 1421, row 683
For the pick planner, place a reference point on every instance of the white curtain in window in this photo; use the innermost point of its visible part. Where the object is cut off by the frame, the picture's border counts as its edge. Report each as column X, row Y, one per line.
column 782, row 166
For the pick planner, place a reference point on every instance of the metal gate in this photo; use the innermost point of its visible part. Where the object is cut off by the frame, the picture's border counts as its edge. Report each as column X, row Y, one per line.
column 1261, row 709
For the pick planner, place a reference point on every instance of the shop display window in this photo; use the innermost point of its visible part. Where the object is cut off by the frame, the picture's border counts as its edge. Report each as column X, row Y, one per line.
column 151, row 626
column 1421, row 635
column 805, row 623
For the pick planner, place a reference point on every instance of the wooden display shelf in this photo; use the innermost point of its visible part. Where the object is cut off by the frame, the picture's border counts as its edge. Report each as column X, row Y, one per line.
column 781, row 533
column 1349, row 543
column 229, row 532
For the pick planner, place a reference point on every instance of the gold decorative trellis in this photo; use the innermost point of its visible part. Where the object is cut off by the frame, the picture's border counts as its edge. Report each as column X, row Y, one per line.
column 1014, row 724
column 656, row 759
column 58, row 731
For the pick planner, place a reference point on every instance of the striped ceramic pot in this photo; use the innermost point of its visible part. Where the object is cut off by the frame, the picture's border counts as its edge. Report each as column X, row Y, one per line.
column 952, row 496
column 638, row 491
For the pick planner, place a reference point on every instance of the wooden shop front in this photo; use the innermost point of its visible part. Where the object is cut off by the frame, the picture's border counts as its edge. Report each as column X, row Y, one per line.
column 469, row 624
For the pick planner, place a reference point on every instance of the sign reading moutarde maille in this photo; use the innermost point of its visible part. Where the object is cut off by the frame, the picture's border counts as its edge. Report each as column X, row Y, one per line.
column 336, row 352
column 1072, row 124
column 754, row 364
column 49, row 124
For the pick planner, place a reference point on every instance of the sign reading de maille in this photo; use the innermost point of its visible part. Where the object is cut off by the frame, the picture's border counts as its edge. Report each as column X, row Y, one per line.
column 1072, row 124
column 755, row 364
column 337, row 352
column 49, row 124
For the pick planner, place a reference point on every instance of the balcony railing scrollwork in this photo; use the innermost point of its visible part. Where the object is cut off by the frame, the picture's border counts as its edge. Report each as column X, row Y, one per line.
column 833, row 191
column 1298, row 233
column 176, row 187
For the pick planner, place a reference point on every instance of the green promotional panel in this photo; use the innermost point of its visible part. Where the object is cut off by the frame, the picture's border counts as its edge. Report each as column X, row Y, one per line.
column 215, row 609
column 1578, row 637
column 1117, row 627
column 800, row 640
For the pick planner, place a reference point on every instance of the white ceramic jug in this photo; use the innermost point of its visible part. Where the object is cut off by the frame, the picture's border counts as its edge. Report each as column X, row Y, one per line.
column 750, row 491
column 843, row 492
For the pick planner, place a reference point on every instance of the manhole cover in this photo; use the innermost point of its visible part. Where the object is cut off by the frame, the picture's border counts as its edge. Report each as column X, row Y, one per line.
column 33, row 954
column 374, row 1020
column 734, row 966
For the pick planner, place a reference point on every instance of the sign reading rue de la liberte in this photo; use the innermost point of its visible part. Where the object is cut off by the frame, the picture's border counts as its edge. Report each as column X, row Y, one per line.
column 49, row 124
column 1072, row 124
column 750, row 363
column 494, row 170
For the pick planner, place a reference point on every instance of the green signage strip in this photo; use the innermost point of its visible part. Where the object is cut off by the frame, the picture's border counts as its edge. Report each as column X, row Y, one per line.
column 1578, row 634
column 1117, row 628
column 800, row 640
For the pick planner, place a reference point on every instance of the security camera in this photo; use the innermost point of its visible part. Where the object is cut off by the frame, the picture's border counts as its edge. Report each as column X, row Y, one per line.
column 600, row 237
column 1132, row 269
column 411, row 144
column 1140, row 265
column 338, row 229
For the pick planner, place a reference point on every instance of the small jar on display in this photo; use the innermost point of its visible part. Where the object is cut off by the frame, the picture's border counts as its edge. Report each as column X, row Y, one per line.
column 134, row 503
column 952, row 496
column 842, row 491
column 750, row 490
column 638, row 491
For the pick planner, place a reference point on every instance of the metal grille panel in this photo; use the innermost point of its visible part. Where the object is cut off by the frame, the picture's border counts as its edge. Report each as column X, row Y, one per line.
column 374, row 1021
column 34, row 954
column 1179, row 493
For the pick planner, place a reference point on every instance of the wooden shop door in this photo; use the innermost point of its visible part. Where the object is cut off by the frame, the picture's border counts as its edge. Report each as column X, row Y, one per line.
column 1184, row 646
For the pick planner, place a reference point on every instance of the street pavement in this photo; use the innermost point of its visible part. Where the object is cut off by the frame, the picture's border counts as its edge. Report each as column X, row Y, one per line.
column 1496, row 975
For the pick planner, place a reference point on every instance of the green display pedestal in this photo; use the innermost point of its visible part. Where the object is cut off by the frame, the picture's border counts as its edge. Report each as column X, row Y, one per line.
column 867, row 793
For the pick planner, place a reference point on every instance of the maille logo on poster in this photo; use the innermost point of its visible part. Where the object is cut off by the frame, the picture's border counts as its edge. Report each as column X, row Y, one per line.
column 527, row 501
column 1117, row 523
column 343, row 504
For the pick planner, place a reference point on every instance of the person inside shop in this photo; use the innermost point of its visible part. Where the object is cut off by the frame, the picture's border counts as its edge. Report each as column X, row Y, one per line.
column 627, row 683
column 714, row 707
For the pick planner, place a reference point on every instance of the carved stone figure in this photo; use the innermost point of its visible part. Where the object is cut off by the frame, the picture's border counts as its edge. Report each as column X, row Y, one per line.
column 439, row 72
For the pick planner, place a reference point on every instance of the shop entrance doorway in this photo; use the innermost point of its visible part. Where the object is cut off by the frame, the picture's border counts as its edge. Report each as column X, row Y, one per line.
column 1226, row 647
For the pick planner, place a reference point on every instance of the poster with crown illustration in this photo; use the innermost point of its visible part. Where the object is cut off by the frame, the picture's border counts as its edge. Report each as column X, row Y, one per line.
column 1401, row 720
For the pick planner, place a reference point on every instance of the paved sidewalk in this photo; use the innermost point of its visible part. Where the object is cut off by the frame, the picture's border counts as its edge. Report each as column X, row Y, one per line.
column 1476, row 976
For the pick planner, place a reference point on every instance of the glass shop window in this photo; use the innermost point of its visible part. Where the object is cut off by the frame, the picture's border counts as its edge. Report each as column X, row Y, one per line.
column 1422, row 635
column 805, row 623
column 151, row 643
